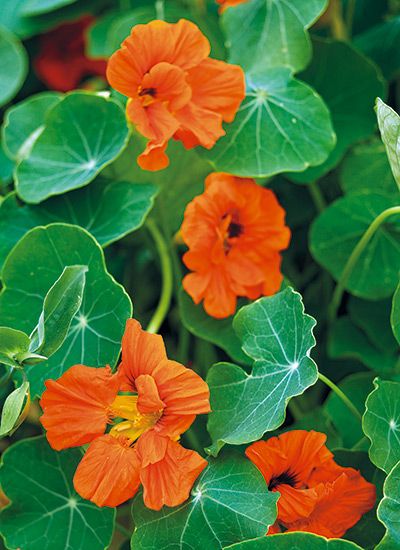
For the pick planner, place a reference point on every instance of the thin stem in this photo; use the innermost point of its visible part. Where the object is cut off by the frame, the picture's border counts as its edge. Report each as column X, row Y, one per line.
column 160, row 12
column 354, row 257
column 123, row 530
column 338, row 26
column 167, row 278
column 317, row 196
column 351, row 7
column 342, row 396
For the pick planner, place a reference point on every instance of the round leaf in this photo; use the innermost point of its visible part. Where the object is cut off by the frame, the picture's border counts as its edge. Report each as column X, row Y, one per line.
column 336, row 232
column 381, row 424
column 389, row 511
column 281, row 125
column 32, row 474
column 294, row 541
column 32, row 267
column 228, row 503
column 82, row 134
column 13, row 65
column 277, row 334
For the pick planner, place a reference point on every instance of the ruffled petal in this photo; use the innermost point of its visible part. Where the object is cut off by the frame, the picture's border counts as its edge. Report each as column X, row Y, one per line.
column 151, row 447
column 153, row 157
column 76, row 405
column 108, row 474
column 166, row 82
column 198, row 126
column 148, row 396
column 295, row 503
column 169, row 481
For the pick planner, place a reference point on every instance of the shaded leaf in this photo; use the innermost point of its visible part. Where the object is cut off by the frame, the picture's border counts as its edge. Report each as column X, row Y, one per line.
column 389, row 126
column 277, row 334
column 13, row 65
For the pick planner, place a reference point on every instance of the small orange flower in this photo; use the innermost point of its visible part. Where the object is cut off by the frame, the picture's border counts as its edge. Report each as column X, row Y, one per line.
column 228, row 3
column 235, row 231
column 316, row 494
column 142, row 447
column 175, row 89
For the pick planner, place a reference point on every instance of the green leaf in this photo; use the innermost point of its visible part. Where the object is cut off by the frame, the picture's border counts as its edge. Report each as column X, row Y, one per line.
column 6, row 168
column 109, row 211
column 356, row 387
column 13, row 345
column 33, row 473
column 31, row 268
column 217, row 331
column 381, row 43
column 277, row 334
column 24, row 122
column 389, row 511
column 294, row 541
column 229, row 502
column 13, row 65
column 83, row 133
column 395, row 314
column 263, row 34
column 37, row 7
column 317, row 419
column 336, row 232
column 12, row 409
column 389, row 126
column 349, row 83
column 381, row 424
column 346, row 340
column 60, row 306
column 366, row 168
column 281, row 125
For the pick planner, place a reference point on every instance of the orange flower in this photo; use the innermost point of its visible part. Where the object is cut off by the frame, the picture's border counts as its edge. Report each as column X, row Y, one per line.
column 234, row 232
column 142, row 448
column 316, row 494
column 228, row 3
column 175, row 89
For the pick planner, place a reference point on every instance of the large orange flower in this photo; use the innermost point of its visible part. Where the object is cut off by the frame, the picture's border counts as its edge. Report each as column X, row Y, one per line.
column 175, row 89
column 235, row 231
column 160, row 401
column 316, row 494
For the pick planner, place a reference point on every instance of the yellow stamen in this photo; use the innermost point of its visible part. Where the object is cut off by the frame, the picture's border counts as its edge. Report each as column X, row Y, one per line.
column 125, row 406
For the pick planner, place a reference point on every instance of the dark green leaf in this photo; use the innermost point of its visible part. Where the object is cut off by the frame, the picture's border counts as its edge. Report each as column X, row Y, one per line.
column 13, row 65
column 82, row 134
column 277, row 334
column 229, row 502
column 45, row 512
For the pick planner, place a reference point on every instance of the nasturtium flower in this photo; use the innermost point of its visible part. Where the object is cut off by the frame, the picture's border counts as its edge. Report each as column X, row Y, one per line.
column 228, row 3
column 176, row 90
column 235, row 231
column 316, row 494
column 146, row 405
column 62, row 62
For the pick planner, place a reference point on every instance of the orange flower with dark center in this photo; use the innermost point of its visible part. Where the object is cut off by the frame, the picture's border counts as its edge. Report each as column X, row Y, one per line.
column 228, row 3
column 175, row 89
column 61, row 62
column 142, row 446
column 316, row 494
column 235, row 231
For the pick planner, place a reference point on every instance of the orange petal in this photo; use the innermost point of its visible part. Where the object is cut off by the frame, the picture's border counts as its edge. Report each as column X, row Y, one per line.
column 169, row 481
column 108, row 474
column 169, row 83
column 198, row 126
column 153, row 158
column 148, row 400
column 151, row 447
column 295, row 503
column 218, row 86
column 141, row 353
column 154, row 121
column 76, row 405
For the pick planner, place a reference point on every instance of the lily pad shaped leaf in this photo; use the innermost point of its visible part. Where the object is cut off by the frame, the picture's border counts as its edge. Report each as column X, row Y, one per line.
column 13, row 65
column 277, row 334
column 395, row 314
column 282, row 125
column 389, row 126
column 381, row 424
column 108, row 210
column 83, row 133
column 270, row 33
column 24, row 122
column 336, row 232
column 31, row 468
column 389, row 511
column 294, row 541
column 31, row 268
column 228, row 503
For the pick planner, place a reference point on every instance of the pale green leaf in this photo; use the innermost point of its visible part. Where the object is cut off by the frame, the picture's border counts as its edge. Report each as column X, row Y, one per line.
column 294, row 541
column 389, row 126
column 37, row 7
column 13, row 65
column 12, row 408
column 389, row 511
column 13, row 345
column 395, row 314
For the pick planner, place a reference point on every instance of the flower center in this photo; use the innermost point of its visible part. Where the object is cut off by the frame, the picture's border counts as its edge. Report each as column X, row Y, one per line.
column 135, row 423
column 148, row 95
column 234, row 230
column 285, row 478
column 231, row 229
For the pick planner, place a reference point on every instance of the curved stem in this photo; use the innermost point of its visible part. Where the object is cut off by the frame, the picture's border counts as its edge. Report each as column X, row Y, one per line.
column 167, row 278
column 123, row 530
column 317, row 196
column 342, row 396
column 354, row 257
column 351, row 7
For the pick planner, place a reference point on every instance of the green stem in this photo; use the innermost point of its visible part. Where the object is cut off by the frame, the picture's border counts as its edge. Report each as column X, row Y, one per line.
column 123, row 530
column 317, row 196
column 342, row 396
column 338, row 26
column 167, row 278
column 160, row 13
column 354, row 257
column 351, row 7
